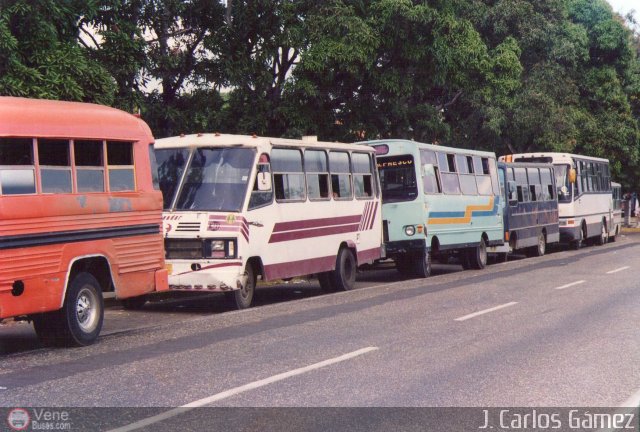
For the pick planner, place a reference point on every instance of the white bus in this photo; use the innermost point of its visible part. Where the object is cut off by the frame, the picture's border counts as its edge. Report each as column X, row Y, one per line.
column 585, row 204
column 239, row 207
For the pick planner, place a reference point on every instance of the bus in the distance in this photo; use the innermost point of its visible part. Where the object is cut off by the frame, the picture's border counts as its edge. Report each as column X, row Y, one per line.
column 531, row 210
column 438, row 201
column 242, row 207
column 79, row 215
column 585, row 204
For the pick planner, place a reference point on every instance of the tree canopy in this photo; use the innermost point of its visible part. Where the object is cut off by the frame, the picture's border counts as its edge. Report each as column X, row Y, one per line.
column 501, row 75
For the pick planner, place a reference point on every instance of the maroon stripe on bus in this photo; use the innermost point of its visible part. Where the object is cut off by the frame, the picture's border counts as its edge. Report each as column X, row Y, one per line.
column 365, row 214
column 315, row 223
column 368, row 255
column 298, row 268
column 373, row 219
column 310, row 233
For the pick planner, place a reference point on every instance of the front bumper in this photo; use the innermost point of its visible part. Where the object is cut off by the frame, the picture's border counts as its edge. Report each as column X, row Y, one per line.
column 209, row 277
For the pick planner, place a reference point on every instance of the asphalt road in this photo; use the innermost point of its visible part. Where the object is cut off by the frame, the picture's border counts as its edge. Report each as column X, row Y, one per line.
column 555, row 331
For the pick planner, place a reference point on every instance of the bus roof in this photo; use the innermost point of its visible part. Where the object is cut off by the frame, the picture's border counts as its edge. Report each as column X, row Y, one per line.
column 434, row 147
column 33, row 118
column 229, row 140
column 558, row 157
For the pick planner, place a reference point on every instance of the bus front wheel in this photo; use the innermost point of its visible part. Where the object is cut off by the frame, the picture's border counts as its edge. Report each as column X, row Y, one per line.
column 243, row 297
column 422, row 264
column 79, row 321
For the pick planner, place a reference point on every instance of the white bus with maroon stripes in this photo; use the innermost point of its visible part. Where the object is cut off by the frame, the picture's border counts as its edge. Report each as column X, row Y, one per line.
column 238, row 207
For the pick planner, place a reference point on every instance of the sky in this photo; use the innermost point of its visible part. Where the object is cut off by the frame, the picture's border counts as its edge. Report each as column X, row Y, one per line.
column 624, row 6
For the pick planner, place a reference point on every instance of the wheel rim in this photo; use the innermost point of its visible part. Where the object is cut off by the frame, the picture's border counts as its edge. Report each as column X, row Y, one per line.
column 87, row 313
column 245, row 290
column 541, row 245
column 603, row 234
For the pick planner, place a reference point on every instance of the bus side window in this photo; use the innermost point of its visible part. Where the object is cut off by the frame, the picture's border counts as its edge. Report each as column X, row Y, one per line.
column 547, row 184
column 522, row 184
column 340, row 175
column 55, row 165
column 17, row 167
column 362, row 175
column 317, row 171
column 430, row 173
column 261, row 198
column 288, row 175
column 535, row 188
column 90, row 165
column 483, row 177
column 120, row 166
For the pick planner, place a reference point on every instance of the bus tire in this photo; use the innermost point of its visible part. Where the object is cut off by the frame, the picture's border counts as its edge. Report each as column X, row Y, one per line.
column 602, row 238
column 422, row 264
column 327, row 284
column 345, row 272
column 577, row 244
column 79, row 321
column 243, row 298
column 134, row 303
column 612, row 238
column 541, row 247
column 478, row 256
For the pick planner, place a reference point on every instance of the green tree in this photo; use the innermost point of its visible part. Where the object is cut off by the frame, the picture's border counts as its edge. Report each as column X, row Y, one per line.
column 40, row 56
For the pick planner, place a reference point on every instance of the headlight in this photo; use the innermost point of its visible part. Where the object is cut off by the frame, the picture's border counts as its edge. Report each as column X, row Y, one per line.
column 221, row 249
column 409, row 230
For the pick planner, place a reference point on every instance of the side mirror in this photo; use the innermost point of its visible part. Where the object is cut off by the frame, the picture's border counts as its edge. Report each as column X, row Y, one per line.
column 512, row 192
column 572, row 175
column 264, row 181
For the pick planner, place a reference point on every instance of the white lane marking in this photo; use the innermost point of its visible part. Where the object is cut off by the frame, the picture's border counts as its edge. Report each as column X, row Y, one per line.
column 570, row 284
column 241, row 389
column 618, row 270
column 482, row 312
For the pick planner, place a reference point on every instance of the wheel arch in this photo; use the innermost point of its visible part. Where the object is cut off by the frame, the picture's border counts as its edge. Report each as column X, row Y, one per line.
column 96, row 265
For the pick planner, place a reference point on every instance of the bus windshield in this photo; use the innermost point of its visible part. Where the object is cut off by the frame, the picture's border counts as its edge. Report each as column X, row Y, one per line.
column 171, row 163
column 562, row 182
column 398, row 178
column 216, row 179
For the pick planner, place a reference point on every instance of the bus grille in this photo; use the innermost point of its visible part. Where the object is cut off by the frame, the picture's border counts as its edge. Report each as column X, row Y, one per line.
column 385, row 230
column 188, row 227
column 183, row 248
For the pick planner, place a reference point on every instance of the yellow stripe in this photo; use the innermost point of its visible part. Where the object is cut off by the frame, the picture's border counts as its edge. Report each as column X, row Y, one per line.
column 467, row 215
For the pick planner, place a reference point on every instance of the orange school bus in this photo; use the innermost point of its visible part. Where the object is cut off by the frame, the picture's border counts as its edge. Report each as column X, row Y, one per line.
column 79, row 215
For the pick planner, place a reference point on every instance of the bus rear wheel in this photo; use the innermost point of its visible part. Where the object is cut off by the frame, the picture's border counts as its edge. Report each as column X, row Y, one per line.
column 602, row 238
column 345, row 272
column 478, row 256
column 79, row 321
column 540, row 248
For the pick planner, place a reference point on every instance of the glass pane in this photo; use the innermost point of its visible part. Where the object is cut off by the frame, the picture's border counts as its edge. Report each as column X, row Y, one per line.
column 315, row 161
column 461, row 163
column 171, row 164
column 339, row 162
column 119, row 153
column 341, row 186
column 450, row 183
column 19, row 181
column 428, row 157
column 217, row 179
column 53, row 152
column 121, row 180
column 90, row 180
column 430, row 180
column 55, row 181
column 484, row 185
column 289, row 186
column 361, row 163
column 16, row 151
column 443, row 163
column 286, row 160
column 318, row 186
column 362, row 186
column 468, row 184
column 534, row 176
column 88, row 153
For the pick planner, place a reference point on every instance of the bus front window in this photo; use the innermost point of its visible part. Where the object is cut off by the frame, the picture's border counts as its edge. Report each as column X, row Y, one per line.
column 398, row 178
column 216, row 179
column 562, row 182
column 171, row 163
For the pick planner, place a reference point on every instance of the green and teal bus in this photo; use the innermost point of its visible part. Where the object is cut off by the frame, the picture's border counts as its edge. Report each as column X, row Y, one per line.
column 436, row 202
